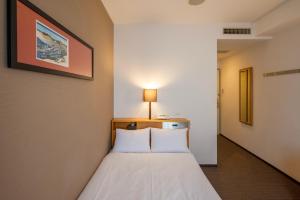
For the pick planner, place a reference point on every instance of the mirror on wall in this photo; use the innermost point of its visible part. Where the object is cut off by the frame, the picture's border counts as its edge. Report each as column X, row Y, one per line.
column 245, row 95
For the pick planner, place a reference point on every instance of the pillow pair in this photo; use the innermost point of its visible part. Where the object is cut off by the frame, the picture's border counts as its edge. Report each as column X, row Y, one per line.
column 162, row 140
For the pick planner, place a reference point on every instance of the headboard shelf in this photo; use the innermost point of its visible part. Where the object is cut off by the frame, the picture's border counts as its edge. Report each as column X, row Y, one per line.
column 124, row 123
column 149, row 120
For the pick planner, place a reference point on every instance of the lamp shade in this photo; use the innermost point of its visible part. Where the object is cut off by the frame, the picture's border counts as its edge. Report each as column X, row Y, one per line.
column 150, row 95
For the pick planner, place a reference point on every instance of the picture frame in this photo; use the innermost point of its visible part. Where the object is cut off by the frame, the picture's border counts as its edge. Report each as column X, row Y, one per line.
column 246, row 96
column 37, row 42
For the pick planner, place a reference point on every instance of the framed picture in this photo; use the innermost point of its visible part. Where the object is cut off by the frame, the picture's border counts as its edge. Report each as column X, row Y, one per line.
column 245, row 96
column 37, row 42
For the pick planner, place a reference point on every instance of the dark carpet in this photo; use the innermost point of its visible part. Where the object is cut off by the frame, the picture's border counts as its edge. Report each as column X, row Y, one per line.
column 242, row 176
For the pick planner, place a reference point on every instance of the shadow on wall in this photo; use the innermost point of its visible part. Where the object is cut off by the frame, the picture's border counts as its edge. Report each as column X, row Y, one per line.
column 4, row 35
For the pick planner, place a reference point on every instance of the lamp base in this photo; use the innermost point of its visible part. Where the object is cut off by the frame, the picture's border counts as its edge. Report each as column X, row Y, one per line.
column 150, row 110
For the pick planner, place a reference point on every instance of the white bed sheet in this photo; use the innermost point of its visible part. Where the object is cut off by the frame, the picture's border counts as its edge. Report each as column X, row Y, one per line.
column 149, row 176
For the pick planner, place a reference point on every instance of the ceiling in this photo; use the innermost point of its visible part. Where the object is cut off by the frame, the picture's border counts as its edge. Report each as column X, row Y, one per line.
column 180, row 12
column 227, row 48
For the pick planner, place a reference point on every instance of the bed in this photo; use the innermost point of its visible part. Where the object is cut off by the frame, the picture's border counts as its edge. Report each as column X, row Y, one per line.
column 149, row 176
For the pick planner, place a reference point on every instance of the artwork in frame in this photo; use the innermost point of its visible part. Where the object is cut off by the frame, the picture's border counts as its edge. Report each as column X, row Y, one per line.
column 51, row 47
column 37, row 42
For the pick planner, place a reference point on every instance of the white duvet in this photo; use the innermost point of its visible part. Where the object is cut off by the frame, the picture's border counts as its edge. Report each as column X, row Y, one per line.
column 149, row 176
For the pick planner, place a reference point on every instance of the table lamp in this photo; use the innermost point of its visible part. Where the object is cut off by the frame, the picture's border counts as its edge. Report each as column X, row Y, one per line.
column 150, row 95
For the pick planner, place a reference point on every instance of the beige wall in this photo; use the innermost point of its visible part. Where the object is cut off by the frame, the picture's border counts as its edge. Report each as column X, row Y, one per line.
column 275, row 136
column 55, row 130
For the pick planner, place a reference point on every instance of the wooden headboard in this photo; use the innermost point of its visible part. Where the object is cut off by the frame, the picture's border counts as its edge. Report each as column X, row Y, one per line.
column 124, row 123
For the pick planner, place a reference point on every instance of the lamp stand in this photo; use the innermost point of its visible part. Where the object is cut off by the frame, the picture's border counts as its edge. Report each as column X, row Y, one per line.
column 150, row 110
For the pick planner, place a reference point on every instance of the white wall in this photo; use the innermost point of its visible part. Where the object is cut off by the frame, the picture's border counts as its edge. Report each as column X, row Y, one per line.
column 280, row 18
column 275, row 135
column 180, row 60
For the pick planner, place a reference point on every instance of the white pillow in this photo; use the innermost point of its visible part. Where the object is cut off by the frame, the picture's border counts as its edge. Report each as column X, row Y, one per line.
column 132, row 141
column 169, row 140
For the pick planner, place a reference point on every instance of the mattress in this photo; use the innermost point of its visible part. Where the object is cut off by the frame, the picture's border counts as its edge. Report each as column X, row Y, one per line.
column 149, row 176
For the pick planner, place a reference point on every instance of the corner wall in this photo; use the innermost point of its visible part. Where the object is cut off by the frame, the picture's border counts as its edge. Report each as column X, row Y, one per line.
column 275, row 135
column 54, row 130
column 179, row 60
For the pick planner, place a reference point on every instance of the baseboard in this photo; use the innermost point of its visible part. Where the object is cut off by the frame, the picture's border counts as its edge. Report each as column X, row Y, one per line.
column 294, row 180
column 208, row 165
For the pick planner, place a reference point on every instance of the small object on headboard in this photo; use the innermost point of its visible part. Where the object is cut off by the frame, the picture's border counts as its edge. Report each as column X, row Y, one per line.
column 132, row 126
column 284, row 72
column 162, row 116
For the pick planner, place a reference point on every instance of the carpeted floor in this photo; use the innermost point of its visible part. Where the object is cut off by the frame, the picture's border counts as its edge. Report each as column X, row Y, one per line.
column 242, row 176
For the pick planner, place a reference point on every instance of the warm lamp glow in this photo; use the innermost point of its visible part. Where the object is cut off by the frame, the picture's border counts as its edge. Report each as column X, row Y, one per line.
column 152, row 85
column 152, row 76
column 150, row 95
